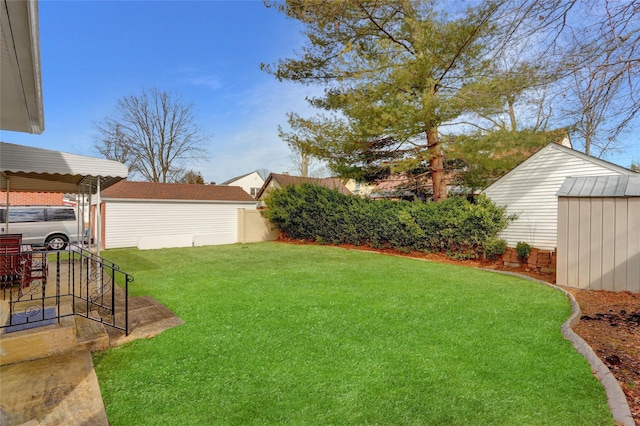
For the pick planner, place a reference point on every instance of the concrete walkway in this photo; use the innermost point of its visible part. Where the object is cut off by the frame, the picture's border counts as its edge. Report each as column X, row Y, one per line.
column 58, row 390
column 63, row 389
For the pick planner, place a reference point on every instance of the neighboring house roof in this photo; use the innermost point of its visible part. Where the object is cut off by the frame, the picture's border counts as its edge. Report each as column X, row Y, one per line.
column 276, row 180
column 232, row 180
column 395, row 186
column 36, row 169
column 391, row 183
column 601, row 186
column 175, row 191
column 21, row 106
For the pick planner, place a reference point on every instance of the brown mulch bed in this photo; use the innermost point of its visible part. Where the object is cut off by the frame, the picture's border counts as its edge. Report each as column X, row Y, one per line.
column 609, row 323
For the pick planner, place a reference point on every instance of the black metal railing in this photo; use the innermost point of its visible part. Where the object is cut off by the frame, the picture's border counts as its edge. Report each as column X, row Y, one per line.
column 40, row 287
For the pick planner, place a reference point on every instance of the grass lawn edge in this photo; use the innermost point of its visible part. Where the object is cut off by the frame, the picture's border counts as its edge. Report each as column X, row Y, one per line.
column 562, row 324
column 616, row 398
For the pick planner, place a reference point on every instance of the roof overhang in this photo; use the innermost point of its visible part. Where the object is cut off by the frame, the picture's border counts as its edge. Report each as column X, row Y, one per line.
column 24, row 168
column 21, row 106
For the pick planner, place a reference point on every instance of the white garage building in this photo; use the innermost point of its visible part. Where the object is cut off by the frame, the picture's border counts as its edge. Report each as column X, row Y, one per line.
column 529, row 191
column 156, row 215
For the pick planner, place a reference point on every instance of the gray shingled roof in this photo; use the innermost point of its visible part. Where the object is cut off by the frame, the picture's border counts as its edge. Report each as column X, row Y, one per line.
column 228, row 181
column 600, row 186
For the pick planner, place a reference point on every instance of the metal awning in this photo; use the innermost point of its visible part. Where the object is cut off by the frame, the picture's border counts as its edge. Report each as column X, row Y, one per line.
column 21, row 107
column 24, row 168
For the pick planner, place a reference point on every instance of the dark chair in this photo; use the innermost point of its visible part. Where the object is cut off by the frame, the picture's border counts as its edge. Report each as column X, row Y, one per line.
column 15, row 267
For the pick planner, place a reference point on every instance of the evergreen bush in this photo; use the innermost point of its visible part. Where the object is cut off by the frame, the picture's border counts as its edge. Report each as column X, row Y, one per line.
column 523, row 249
column 494, row 247
column 455, row 226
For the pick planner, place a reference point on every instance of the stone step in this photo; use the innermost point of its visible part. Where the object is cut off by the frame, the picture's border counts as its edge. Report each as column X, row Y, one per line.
column 39, row 342
column 146, row 320
column 90, row 335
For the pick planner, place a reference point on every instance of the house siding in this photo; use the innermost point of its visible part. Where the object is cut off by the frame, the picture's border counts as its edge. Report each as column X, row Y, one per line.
column 248, row 182
column 127, row 221
column 530, row 190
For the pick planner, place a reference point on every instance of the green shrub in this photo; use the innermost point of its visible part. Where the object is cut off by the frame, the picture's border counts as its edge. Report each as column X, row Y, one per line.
column 523, row 249
column 455, row 225
column 494, row 247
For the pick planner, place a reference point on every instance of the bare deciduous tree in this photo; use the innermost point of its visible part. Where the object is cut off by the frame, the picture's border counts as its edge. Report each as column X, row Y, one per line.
column 605, row 87
column 306, row 165
column 193, row 177
column 263, row 173
column 596, row 47
column 154, row 134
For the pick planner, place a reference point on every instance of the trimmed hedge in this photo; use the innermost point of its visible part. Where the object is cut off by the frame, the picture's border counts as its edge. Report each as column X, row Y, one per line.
column 455, row 226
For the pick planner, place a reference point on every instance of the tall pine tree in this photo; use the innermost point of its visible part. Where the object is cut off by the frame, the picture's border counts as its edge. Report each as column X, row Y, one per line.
column 395, row 72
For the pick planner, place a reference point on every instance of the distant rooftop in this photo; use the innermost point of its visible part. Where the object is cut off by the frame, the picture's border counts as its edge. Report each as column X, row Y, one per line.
column 175, row 191
column 233, row 179
column 286, row 180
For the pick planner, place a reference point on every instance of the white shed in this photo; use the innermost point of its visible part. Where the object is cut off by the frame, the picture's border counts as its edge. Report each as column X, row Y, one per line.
column 156, row 215
column 529, row 191
column 599, row 233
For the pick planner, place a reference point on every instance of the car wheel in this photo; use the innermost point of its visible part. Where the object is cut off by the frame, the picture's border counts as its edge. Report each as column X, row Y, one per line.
column 56, row 242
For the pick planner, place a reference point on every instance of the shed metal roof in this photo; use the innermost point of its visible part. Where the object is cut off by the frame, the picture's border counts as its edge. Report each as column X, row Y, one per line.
column 601, row 186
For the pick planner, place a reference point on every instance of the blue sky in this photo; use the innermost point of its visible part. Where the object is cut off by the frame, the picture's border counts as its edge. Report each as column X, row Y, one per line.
column 95, row 52
column 208, row 52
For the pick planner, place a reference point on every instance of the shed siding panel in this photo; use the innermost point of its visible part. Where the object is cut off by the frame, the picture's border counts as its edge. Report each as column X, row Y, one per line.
column 561, row 260
column 530, row 191
column 621, row 231
column 584, row 236
column 595, row 256
column 125, row 222
column 611, row 239
column 608, row 243
column 633, row 263
column 573, row 240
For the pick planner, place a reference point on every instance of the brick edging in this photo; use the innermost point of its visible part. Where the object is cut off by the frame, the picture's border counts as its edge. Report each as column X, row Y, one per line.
column 616, row 398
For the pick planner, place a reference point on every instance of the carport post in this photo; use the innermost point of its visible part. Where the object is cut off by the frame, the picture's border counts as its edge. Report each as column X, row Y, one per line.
column 98, row 218
column 6, row 212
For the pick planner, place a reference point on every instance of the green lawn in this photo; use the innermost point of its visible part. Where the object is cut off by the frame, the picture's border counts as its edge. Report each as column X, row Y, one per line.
column 286, row 334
